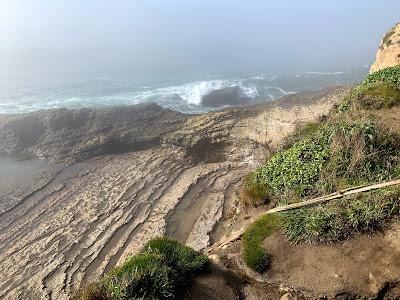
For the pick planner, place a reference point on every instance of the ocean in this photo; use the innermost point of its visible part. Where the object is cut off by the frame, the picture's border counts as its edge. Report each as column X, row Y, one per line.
column 22, row 93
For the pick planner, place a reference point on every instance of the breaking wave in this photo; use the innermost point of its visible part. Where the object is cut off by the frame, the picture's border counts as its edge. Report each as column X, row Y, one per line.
column 192, row 93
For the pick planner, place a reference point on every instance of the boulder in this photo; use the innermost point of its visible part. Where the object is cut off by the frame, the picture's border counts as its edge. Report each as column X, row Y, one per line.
column 226, row 96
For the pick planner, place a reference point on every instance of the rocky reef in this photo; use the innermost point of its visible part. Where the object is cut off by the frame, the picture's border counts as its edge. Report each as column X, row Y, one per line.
column 125, row 175
column 225, row 96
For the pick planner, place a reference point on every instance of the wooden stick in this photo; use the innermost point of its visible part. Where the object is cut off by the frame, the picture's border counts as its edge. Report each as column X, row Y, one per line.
column 333, row 196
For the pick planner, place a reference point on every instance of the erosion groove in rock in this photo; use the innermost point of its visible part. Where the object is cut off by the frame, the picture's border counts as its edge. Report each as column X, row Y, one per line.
column 104, row 206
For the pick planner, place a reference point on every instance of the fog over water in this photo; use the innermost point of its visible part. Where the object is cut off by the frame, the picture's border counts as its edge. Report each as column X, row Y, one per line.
column 92, row 53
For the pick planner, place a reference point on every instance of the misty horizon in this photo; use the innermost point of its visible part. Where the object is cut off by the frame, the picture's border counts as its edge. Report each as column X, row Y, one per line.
column 180, row 36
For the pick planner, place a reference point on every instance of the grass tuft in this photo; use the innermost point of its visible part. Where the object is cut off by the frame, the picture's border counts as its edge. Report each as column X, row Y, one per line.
column 141, row 276
column 254, row 192
column 93, row 291
column 162, row 268
column 184, row 260
column 343, row 218
column 379, row 95
column 255, row 256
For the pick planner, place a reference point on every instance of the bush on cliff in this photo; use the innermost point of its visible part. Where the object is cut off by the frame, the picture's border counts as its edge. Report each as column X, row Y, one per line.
column 342, row 218
column 340, row 154
column 185, row 261
column 379, row 90
column 162, row 268
column 344, row 152
column 389, row 75
column 145, row 275
column 253, row 192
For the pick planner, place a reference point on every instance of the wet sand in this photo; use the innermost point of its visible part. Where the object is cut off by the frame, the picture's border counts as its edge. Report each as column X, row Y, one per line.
column 19, row 177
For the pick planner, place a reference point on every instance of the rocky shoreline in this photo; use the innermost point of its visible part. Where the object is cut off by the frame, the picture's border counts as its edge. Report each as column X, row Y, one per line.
column 126, row 175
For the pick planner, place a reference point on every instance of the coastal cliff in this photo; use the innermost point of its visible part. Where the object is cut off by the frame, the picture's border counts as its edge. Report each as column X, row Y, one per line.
column 388, row 54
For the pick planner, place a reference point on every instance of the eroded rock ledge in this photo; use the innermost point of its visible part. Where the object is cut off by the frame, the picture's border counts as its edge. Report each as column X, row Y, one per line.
column 132, row 173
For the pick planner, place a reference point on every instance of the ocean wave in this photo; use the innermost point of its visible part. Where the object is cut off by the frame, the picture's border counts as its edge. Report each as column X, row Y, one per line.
column 282, row 91
column 326, row 73
column 192, row 93
column 258, row 77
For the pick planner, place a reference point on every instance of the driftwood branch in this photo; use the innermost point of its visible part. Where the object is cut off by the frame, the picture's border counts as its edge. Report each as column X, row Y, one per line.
column 333, row 196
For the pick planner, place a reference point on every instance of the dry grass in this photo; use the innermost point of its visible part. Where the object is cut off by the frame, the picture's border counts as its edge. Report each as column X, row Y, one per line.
column 253, row 193
column 92, row 291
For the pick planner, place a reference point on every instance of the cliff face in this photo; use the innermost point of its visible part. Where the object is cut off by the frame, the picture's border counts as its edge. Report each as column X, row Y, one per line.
column 388, row 54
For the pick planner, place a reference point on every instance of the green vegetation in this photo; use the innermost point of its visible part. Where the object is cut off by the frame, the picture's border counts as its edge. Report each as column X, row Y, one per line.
column 341, row 153
column 184, row 260
column 295, row 169
column 379, row 90
column 349, row 148
column 254, row 192
column 387, row 38
column 389, row 75
column 145, row 275
column 162, row 268
column 255, row 256
column 380, row 95
column 341, row 219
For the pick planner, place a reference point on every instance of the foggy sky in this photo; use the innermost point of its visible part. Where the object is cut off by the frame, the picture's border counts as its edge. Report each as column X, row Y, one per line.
column 203, row 35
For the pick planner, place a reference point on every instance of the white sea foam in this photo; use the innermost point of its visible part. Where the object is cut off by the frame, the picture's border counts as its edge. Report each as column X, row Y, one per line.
column 282, row 91
column 258, row 77
column 326, row 73
column 192, row 93
column 173, row 93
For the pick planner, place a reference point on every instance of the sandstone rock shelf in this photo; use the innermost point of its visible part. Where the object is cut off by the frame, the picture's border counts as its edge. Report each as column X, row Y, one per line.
column 125, row 176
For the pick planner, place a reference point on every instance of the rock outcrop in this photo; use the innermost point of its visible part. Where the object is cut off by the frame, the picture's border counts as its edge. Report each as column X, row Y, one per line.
column 224, row 97
column 388, row 54
column 63, row 135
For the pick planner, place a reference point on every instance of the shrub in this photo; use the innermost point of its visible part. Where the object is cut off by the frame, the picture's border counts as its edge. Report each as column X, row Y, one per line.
column 379, row 95
column 185, row 261
column 387, row 38
column 349, row 149
column 341, row 219
column 254, row 192
column 338, row 154
column 144, row 276
column 92, row 291
column 389, row 75
column 157, row 272
column 296, row 168
column 255, row 256
column 379, row 90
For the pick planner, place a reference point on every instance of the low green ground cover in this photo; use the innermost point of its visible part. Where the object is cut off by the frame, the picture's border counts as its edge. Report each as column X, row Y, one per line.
column 162, row 268
column 255, row 256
